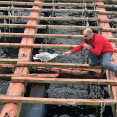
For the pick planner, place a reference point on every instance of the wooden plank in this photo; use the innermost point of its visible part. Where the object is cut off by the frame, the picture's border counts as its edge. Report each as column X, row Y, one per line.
column 58, row 10
column 68, row 71
column 12, row 60
column 58, row 65
column 56, row 4
column 58, row 27
column 7, row 65
column 41, row 35
column 46, row 64
column 58, row 18
column 49, row 36
column 57, row 101
column 70, row 1
column 64, row 80
column 50, row 10
column 52, row 46
column 17, row 3
column 30, row 75
column 46, row 4
column 52, row 26
column 57, row 46
column 51, row 18
column 106, row 6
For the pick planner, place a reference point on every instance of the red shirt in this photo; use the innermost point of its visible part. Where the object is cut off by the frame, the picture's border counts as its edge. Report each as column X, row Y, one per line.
column 99, row 44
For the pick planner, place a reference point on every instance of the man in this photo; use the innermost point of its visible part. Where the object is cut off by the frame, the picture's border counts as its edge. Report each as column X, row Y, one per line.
column 99, row 47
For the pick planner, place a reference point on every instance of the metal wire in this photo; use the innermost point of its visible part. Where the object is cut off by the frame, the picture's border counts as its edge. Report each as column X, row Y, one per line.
column 53, row 7
column 99, row 96
column 5, row 28
column 0, row 32
column 12, row 6
column 102, row 107
column 46, row 39
column 87, row 23
column 9, row 13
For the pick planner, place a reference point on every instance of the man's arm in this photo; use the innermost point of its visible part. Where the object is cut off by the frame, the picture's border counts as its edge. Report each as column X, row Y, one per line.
column 74, row 50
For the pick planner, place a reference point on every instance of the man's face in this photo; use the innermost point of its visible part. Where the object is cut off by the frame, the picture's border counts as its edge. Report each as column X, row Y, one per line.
column 87, row 36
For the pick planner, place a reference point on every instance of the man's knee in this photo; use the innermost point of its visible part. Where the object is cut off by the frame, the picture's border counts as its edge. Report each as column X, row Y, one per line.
column 105, row 65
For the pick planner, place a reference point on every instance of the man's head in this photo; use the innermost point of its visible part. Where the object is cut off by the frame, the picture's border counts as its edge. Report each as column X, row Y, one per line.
column 88, row 33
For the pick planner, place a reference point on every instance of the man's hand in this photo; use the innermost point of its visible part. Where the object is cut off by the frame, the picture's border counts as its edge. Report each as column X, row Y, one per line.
column 86, row 46
column 67, row 53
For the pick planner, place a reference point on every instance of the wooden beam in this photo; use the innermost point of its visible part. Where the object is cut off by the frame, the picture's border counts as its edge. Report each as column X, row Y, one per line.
column 76, row 71
column 58, row 10
column 47, row 10
column 108, row 20
column 106, row 6
column 41, row 35
column 64, row 80
column 44, row 64
column 54, row 46
column 55, row 71
column 109, row 29
column 87, row 1
column 58, row 65
column 16, row 3
column 48, row 36
column 49, row 18
column 46, row 4
column 50, row 26
column 30, row 75
column 57, row 101
column 70, row 1
column 56, row 4
column 57, row 27
column 57, row 46
column 6, row 65
column 11, row 61
column 59, row 18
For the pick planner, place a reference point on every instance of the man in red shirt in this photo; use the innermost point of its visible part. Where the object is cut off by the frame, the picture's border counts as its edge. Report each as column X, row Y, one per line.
column 99, row 47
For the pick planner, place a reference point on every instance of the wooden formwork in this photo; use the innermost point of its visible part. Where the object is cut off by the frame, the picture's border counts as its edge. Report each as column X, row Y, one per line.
column 14, row 97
